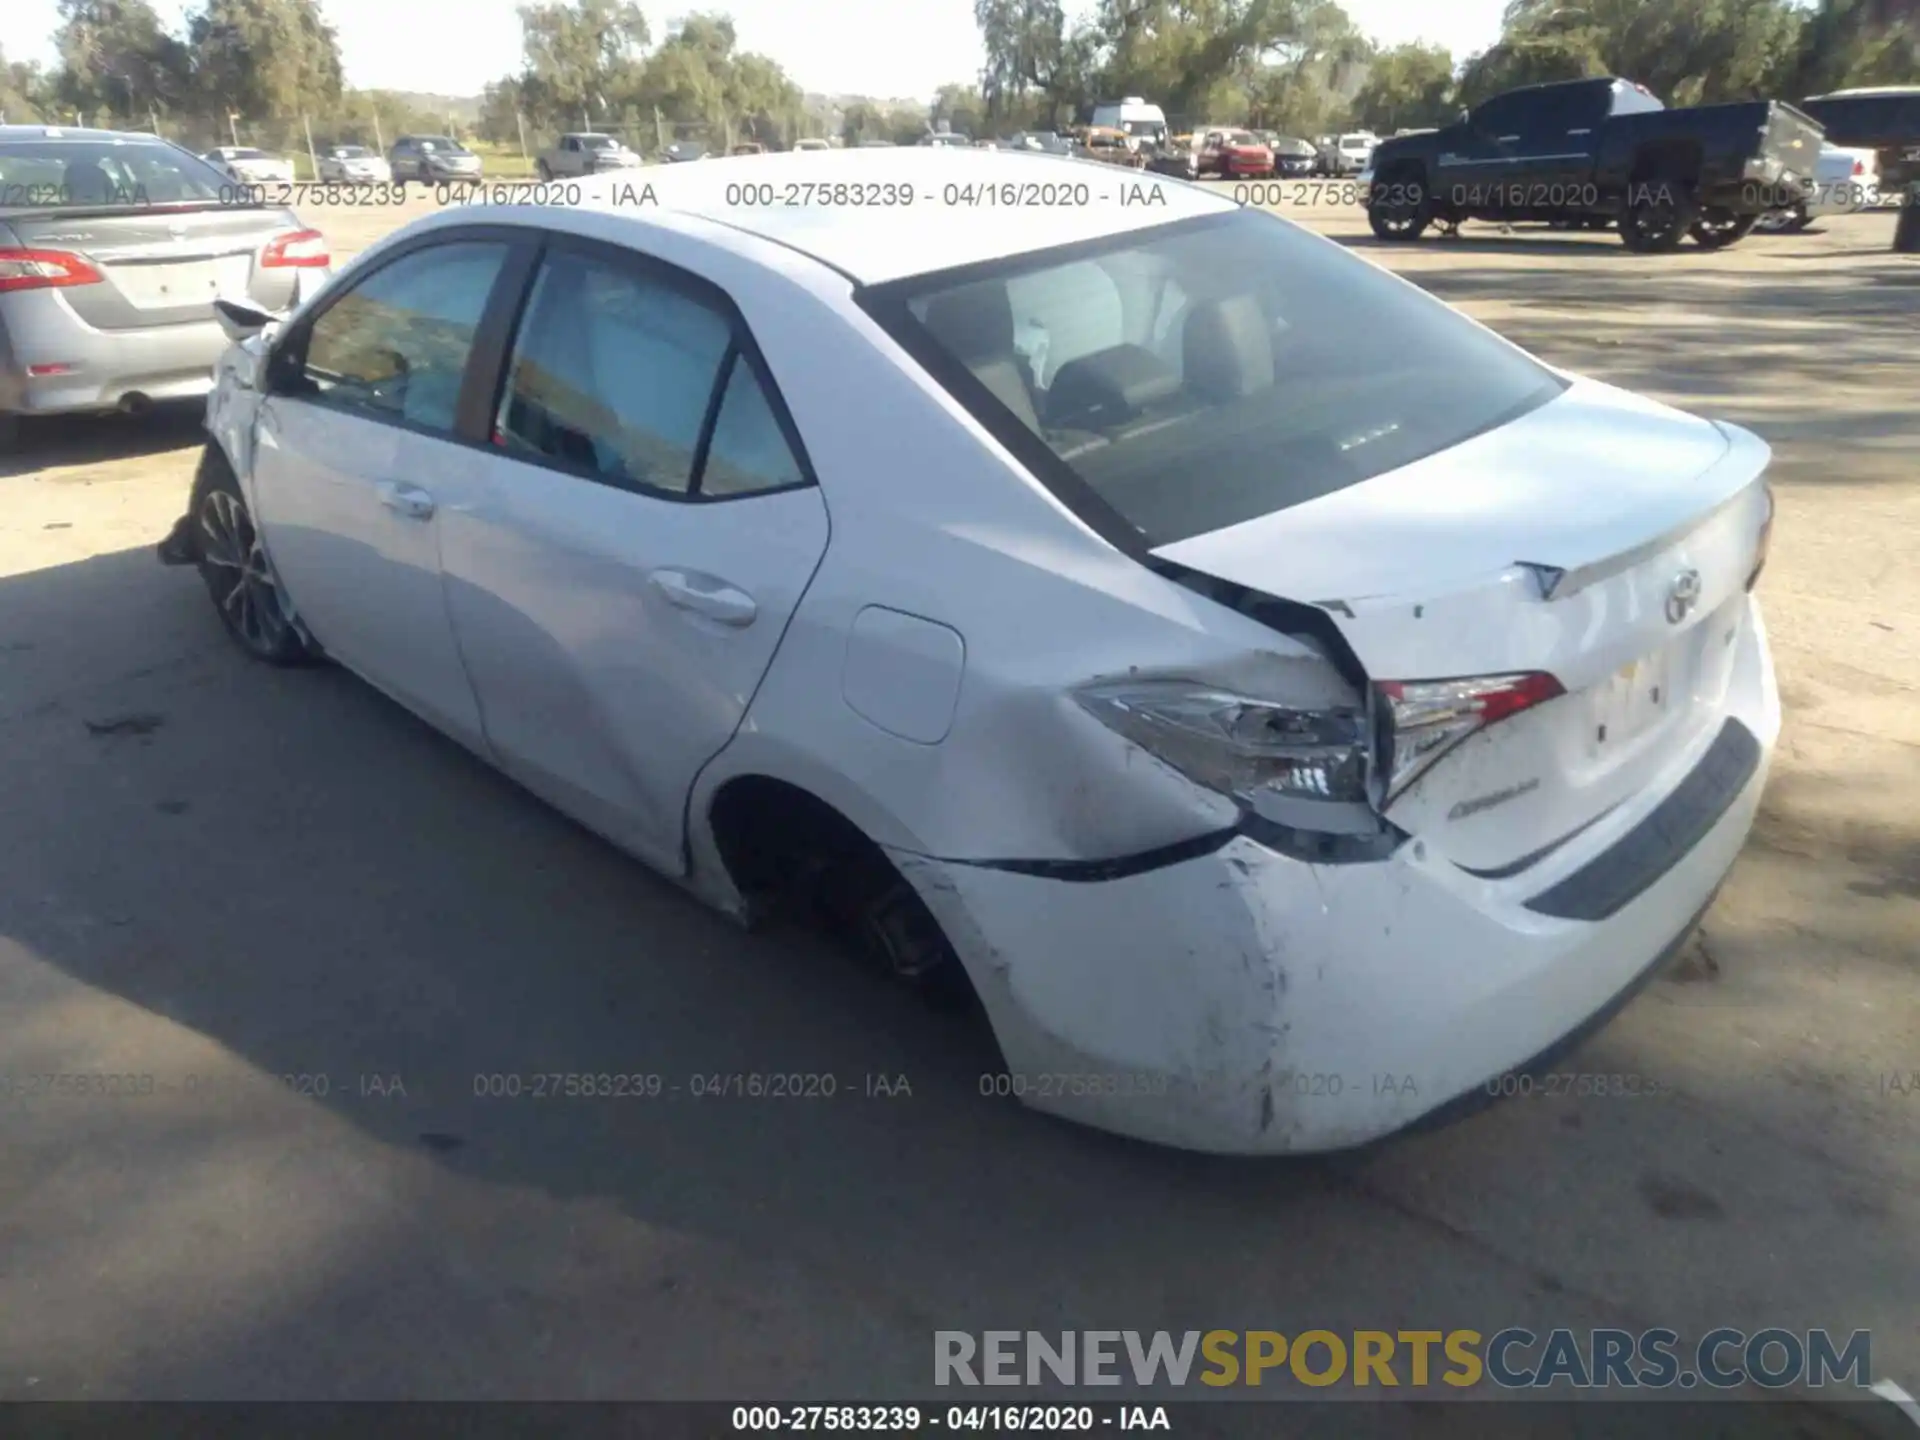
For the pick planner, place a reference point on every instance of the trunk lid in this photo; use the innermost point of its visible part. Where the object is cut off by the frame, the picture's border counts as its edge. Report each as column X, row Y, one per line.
column 1603, row 538
column 161, row 264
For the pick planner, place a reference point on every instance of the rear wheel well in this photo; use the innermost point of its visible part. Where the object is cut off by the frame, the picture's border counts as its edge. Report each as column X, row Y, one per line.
column 774, row 836
column 790, row 854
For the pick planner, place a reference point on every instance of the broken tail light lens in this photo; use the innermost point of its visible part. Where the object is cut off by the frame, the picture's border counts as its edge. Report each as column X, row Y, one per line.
column 43, row 270
column 1431, row 717
column 1239, row 745
column 1765, row 544
column 300, row 249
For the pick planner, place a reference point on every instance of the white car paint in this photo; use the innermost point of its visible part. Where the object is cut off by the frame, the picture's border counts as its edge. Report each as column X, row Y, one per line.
column 929, row 614
column 256, row 168
column 1846, row 181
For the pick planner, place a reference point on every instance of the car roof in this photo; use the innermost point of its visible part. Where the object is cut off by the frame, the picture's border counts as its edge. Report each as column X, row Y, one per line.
column 883, row 241
column 1866, row 91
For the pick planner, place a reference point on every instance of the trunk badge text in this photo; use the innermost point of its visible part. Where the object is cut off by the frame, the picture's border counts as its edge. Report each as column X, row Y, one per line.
column 1683, row 595
column 1487, row 802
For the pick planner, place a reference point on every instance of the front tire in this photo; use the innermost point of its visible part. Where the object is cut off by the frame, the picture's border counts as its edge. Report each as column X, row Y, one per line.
column 234, row 567
column 9, row 432
column 544, row 171
column 1406, row 218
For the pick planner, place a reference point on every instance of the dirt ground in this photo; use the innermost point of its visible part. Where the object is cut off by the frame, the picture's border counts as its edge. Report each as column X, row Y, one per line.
column 217, row 875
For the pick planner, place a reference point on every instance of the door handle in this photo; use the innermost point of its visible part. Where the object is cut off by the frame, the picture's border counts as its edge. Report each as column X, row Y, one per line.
column 1584, row 131
column 704, row 595
column 1506, row 139
column 410, row 500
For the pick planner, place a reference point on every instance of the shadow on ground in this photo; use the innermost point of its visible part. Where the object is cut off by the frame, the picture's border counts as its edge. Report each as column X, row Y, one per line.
column 219, row 871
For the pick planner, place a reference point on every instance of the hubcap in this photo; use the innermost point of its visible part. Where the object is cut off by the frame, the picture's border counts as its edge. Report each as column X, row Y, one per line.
column 238, row 574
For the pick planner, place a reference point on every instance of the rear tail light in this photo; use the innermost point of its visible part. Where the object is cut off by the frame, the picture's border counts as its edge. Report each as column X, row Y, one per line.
column 43, row 270
column 1766, row 543
column 1431, row 717
column 298, row 249
column 1243, row 746
column 1859, row 167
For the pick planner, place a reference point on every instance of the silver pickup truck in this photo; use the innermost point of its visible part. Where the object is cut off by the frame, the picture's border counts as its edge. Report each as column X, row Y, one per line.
column 585, row 154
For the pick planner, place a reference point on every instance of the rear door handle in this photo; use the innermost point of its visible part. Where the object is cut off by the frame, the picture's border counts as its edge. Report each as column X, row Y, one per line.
column 705, row 595
column 1506, row 139
column 410, row 500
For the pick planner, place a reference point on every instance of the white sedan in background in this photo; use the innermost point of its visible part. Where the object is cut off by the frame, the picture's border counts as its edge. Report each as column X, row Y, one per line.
column 245, row 165
column 1283, row 727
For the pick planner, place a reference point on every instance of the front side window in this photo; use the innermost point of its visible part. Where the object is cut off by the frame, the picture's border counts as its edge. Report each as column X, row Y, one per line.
column 1204, row 373
column 612, row 375
column 395, row 346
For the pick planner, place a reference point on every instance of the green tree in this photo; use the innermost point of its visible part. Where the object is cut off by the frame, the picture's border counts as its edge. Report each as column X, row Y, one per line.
column 577, row 57
column 1407, row 87
column 962, row 108
column 117, row 58
column 1037, row 70
column 26, row 92
column 270, row 60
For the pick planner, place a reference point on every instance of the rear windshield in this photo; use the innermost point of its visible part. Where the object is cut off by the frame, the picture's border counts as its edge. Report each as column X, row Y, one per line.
column 57, row 174
column 349, row 152
column 1203, row 373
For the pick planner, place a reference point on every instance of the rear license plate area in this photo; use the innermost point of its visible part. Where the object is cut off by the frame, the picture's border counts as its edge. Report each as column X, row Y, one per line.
column 1634, row 700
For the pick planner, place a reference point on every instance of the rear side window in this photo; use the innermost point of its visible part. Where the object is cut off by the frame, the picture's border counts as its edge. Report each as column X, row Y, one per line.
column 617, row 376
column 612, row 375
column 395, row 346
column 1200, row 374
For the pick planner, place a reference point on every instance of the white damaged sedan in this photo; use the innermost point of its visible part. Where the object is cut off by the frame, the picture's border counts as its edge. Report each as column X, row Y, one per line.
column 1285, row 705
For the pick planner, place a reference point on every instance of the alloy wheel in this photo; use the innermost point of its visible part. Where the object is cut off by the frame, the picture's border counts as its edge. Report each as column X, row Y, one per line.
column 239, row 576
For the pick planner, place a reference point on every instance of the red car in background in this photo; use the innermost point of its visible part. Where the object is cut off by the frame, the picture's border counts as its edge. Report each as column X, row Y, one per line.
column 1235, row 155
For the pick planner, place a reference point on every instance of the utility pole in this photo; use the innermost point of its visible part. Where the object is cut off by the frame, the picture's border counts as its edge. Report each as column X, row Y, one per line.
column 313, row 161
column 520, row 124
column 379, row 140
column 233, row 126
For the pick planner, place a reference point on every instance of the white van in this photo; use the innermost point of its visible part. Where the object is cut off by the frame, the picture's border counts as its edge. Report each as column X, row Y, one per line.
column 1143, row 123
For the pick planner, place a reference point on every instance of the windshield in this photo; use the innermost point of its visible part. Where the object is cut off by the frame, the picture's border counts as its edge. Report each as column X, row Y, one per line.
column 1145, row 127
column 56, row 174
column 1203, row 373
column 440, row 142
column 1242, row 137
column 246, row 154
column 597, row 142
column 349, row 152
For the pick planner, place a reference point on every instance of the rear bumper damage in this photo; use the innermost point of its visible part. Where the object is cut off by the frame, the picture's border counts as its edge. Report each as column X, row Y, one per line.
column 1243, row 1002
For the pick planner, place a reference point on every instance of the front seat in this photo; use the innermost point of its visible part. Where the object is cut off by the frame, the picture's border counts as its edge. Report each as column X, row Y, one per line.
column 975, row 324
column 1227, row 349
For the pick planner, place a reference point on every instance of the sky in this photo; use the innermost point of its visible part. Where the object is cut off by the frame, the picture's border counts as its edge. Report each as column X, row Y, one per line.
column 885, row 48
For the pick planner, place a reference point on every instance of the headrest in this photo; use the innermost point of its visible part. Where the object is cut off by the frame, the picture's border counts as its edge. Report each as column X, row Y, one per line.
column 974, row 322
column 1228, row 349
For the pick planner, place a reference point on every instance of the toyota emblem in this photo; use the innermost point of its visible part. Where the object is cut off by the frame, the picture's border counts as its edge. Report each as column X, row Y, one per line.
column 1683, row 595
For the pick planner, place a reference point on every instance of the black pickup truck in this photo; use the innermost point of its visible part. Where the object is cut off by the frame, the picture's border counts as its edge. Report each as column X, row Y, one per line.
column 1594, row 152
